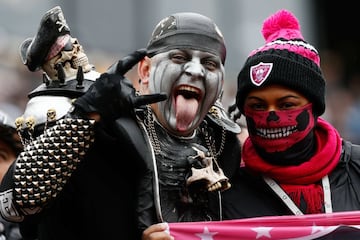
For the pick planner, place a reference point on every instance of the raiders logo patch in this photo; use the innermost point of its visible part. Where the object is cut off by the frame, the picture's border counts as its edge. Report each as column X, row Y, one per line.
column 260, row 72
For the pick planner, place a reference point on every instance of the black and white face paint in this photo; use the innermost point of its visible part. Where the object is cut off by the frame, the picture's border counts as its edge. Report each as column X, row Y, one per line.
column 193, row 81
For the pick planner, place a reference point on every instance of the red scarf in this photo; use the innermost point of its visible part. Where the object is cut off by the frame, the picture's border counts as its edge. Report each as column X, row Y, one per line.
column 302, row 180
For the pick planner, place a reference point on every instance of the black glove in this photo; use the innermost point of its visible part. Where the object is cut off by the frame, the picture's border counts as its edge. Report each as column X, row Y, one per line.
column 112, row 95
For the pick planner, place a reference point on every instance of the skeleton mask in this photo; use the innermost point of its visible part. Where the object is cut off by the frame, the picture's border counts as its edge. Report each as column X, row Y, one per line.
column 70, row 60
column 277, row 131
column 206, row 173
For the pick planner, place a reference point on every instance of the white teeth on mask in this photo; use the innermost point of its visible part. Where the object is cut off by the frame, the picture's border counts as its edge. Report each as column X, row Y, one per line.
column 275, row 133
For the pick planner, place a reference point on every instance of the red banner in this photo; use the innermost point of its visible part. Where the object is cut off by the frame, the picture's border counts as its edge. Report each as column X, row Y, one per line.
column 340, row 225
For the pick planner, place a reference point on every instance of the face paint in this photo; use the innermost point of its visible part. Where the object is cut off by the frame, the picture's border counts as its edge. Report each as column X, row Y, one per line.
column 193, row 81
column 277, row 131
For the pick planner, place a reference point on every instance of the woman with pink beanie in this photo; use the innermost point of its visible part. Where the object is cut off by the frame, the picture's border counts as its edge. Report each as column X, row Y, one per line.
column 295, row 161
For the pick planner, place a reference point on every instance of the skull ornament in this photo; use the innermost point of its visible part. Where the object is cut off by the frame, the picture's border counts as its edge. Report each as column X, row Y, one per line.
column 30, row 123
column 70, row 60
column 207, row 173
column 51, row 115
column 25, row 128
column 19, row 123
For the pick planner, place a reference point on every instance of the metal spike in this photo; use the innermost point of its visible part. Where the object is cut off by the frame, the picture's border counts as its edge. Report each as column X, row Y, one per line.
column 60, row 72
column 80, row 78
column 46, row 79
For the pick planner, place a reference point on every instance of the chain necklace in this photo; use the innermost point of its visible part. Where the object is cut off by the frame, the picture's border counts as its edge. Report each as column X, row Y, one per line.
column 210, row 141
column 149, row 123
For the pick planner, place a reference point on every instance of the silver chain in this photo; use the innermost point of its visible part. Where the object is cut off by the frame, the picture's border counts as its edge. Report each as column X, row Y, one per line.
column 210, row 142
column 149, row 123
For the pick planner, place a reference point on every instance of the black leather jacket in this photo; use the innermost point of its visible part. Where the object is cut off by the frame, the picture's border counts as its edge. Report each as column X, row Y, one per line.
column 111, row 186
column 147, row 209
column 250, row 196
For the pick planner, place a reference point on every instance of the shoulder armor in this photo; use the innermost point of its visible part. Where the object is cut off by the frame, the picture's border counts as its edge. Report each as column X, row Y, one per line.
column 219, row 116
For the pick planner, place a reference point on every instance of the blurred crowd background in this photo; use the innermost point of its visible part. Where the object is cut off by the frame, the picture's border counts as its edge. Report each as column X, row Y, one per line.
column 110, row 29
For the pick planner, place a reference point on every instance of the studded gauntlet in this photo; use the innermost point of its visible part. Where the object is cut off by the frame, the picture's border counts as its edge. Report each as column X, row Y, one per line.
column 45, row 165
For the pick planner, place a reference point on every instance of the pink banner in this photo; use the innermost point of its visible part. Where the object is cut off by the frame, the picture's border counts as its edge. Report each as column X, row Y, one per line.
column 341, row 225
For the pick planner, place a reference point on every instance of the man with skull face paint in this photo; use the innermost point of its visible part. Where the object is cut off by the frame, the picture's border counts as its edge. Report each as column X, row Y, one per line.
column 295, row 161
column 191, row 118
column 170, row 129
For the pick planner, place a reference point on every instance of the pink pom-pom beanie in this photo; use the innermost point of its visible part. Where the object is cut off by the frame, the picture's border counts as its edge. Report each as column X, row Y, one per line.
column 285, row 59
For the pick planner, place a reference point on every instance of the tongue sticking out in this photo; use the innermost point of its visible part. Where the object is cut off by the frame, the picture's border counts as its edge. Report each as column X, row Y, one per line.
column 186, row 109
